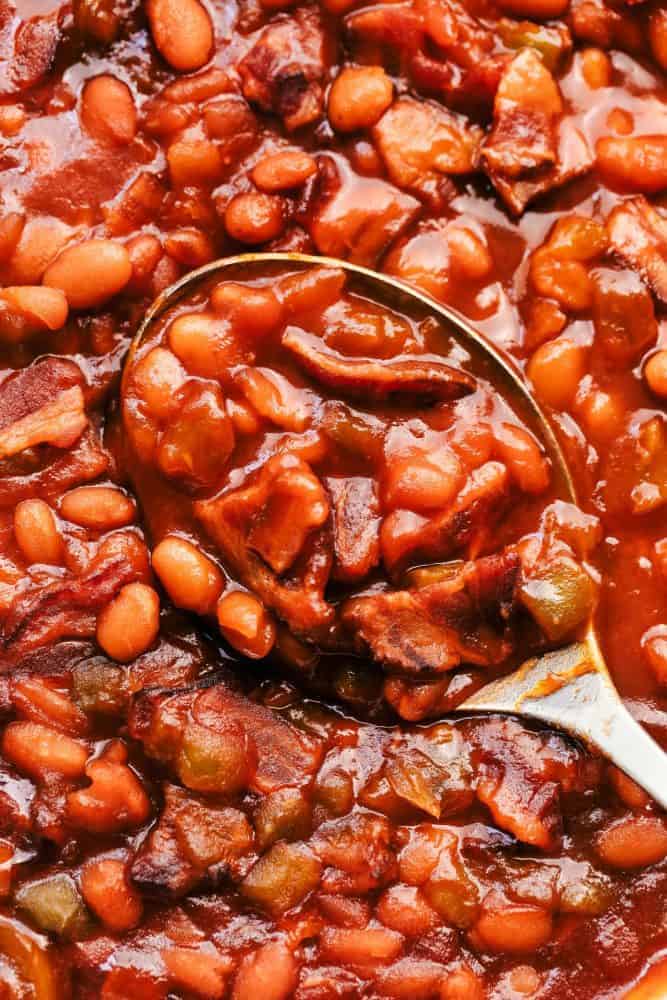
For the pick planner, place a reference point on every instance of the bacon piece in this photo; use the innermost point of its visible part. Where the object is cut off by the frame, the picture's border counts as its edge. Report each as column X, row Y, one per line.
column 355, row 217
column 44, row 614
column 531, row 149
column 420, row 141
column 521, row 775
column 408, row 538
column 86, row 461
column 638, row 234
column 234, row 523
column 376, row 380
column 356, row 527
column 284, row 71
column 440, row 626
column 28, row 46
column 59, row 423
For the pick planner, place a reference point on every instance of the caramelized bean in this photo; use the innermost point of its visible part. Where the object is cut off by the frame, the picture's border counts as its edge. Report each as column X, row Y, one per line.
column 633, row 842
column 655, row 373
column 98, row 508
column 421, row 482
column 191, row 579
column 202, row 973
column 34, row 698
column 359, row 97
column 638, row 163
column 129, row 624
column 108, row 893
column 195, row 339
column 37, row 533
column 283, row 171
column 523, row 457
column 245, row 624
column 513, row 928
column 114, row 801
column 159, row 375
column 182, row 32
column 657, row 34
column 596, row 68
column 254, row 218
column 194, row 161
column 462, row 984
column 90, row 273
column 37, row 307
column 556, row 369
column 38, row 749
column 107, row 110
column 269, row 972
column 253, row 311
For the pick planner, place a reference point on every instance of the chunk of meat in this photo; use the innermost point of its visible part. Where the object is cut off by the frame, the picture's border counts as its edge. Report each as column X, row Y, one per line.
column 284, row 70
column 376, row 380
column 28, row 390
column 436, row 628
column 356, row 524
column 638, row 234
column 59, row 424
column 233, row 522
column 357, row 850
column 354, row 217
column 521, row 776
column 285, row 757
column 61, row 470
column 531, row 148
column 28, row 46
column 408, row 538
column 419, row 141
column 44, row 614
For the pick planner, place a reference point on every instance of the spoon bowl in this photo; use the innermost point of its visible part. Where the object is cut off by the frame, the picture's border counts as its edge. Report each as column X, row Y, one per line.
column 569, row 688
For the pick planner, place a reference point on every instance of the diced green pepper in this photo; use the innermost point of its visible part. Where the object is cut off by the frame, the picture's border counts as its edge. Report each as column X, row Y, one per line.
column 560, row 596
column 283, row 877
column 55, row 905
column 282, row 815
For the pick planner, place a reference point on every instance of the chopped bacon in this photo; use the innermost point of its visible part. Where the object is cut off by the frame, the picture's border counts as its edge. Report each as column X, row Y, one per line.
column 85, row 461
column 530, row 148
column 44, row 614
column 59, row 423
column 440, row 626
column 393, row 24
column 638, row 234
column 376, row 380
column 521, row 776
column 355, row 217
column 28, row 47
column 411, row 538
column 233, row 521
column 284, row 71
column 419, row 141
column 356, row 527
column 31, row 388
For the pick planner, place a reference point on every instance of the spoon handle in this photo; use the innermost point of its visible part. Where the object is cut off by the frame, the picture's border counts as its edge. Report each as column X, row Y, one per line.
column 571, row 690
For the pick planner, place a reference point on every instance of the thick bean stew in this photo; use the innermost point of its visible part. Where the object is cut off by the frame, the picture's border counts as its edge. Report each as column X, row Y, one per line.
column 244, row 588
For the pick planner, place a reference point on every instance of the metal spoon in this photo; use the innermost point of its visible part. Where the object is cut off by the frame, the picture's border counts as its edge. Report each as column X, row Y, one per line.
column 571, row 688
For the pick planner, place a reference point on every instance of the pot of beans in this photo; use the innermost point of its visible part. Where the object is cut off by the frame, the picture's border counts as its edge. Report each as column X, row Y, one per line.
column 267, row 536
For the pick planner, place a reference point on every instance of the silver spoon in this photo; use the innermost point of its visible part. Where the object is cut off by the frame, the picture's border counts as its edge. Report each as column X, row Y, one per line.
column 570, row 688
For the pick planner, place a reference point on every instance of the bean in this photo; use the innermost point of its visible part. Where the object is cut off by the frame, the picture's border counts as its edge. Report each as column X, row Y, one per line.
column 194, row 161
column 637, row 163
column 12, row 119
column 567, row 281
column 627, row 790
column 107, row 110
column 525, row 980
column 90, row 273
column 555, row 369
column 190, row 246
column 657, row 35
column 98, row 508
column 37, row 533
column 422, row 483
column 283, row 171
column 191, row 579
column 655, row 373
column 359, row 97
column 601, row 412
column 158, row 377
column 654, row 644
column 652, row 984
column 11, row 228
column 621, row 121
column 523, row 457
column 253, row 311
column 469, row 254
column 39, row 308
column 144, row 252
column 182, row 32
column 254, row 217
column 513, row 928
column 108, row 893
column 596, row 68
column 129, row 624
column 269, row 972
column 194, row 338
column 195, row 971
column 404, row 909
column 38, row 749
column 462, row 984
column 356, row 946
column 246, row 625
column 114, row 801
column 633, row 842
